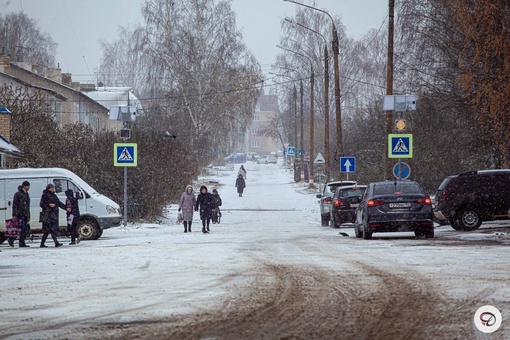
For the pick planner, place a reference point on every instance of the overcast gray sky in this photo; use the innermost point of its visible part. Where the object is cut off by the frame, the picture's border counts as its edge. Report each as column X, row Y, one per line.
column 78, row 25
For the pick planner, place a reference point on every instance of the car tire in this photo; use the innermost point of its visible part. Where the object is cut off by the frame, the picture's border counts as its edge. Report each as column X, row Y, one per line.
column 333, row 223
column 2, row 238
column 367, row 235
column 324, row 220
column 357, row 232
column 429, row 233
column 468, row 219
column 88, row 230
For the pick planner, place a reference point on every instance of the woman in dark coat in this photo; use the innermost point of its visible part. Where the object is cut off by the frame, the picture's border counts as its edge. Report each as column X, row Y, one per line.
column 186, row 204
column 205, row 202
column 73, row 216
column 240, row 184
column 50, row 204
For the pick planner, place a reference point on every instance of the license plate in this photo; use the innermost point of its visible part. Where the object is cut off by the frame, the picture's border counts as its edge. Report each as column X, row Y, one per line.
column 400, row 205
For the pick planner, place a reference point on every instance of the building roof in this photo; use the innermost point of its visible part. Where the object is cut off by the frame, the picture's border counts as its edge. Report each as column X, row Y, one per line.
column 7, row 147
column 114, row 96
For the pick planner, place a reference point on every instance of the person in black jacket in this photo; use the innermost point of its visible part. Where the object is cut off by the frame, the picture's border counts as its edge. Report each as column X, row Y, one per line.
column 205, row 202
column 50, row 204
column 21, row 210
column 240, row 184
column 216, row 200
column 73, row 215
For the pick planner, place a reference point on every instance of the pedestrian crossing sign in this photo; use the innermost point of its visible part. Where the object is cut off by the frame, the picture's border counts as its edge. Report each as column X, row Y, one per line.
column 125, row 154
column 400, row 145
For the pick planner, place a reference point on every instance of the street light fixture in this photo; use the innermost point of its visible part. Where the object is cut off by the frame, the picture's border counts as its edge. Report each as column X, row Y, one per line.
column 326, row 98
column 336, row 52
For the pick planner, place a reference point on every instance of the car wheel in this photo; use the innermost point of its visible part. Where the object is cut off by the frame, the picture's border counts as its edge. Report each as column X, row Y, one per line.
column 358, row 233
column 469, row 219
column 88, row 230
column 334, row 224
column 2, row 238
column 429, row 233
column 367, row 235
column 324, row 220
column 418, row 233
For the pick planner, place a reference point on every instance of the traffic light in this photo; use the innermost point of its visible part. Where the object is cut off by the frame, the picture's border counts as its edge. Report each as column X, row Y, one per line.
column 400, row 125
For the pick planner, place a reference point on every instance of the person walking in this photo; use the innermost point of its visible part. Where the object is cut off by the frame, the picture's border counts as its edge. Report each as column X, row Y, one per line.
column 21, row 210
column 49, row 215
column 205, row 202
column 240, row 184
column 186, row 204
column 242, row 171
column 216, row 203
column 73, row 215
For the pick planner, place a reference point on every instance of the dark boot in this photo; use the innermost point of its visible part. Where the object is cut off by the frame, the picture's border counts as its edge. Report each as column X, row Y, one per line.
column 11, row 242
column 189, row 226
column 44, row 237
column 185, row 226
column 54, row 237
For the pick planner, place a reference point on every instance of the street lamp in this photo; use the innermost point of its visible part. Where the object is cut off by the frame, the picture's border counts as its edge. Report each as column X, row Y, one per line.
column 339, row 144
column 326, row 99
column 312, row 81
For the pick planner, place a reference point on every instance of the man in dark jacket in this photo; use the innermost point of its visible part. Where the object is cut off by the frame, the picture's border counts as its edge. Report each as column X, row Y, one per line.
column 50, row 204
column 240, row 184
column 205, row 202
column 73, row 215
column 216, row 200
column 21, row 210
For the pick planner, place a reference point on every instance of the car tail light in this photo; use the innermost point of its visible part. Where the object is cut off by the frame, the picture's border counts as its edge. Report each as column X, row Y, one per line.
column 444, row 195
column 375, row 225
column 338, row 203
column 424, row 201
column 372, row 203
column 326, row 200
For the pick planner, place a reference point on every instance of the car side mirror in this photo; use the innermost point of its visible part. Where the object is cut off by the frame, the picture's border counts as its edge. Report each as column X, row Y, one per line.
column 318, row 196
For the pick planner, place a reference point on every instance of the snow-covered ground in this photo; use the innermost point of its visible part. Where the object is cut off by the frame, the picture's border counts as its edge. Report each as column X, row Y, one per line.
column 271, row 237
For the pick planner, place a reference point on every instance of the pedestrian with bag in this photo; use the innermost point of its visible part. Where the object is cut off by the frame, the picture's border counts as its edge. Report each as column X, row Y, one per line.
column 240, row 185
column 216, row 213
column 49, row 215
column 186, row 204
column 21, row 210
column 242, row 171
column 73, row 215
column 205, row 202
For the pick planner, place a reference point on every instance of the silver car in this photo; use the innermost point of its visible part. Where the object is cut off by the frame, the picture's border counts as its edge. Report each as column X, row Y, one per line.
column 327, row 196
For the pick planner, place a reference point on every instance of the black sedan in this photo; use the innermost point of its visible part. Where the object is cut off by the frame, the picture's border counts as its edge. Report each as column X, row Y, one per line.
column 344, row 203
column 391, row 206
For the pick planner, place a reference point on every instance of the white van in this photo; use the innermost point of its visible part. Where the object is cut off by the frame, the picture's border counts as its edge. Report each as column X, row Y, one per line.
column 97, row 212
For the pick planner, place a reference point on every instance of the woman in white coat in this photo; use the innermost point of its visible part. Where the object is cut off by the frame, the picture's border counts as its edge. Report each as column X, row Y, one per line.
column 187, row 204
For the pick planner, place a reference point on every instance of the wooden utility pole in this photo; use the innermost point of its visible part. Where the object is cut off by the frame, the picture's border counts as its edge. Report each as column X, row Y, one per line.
column 389, row 87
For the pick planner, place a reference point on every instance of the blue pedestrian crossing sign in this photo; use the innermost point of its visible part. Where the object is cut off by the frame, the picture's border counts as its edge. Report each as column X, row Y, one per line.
column 125, row 154
column 400, row 145
column 347, row 164
column 291, row 151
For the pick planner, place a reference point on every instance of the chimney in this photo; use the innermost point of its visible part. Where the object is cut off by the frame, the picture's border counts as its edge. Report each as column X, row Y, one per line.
column 66, row 79
column 5, row 63
column 54, row 74
column 5, row 124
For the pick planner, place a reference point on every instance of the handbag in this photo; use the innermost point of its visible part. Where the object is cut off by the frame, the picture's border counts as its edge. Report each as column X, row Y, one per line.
column 43, row 216
column 179, row 218
column 13, row 227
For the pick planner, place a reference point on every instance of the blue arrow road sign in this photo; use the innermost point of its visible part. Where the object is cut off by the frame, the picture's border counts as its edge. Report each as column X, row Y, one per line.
column 347, row 164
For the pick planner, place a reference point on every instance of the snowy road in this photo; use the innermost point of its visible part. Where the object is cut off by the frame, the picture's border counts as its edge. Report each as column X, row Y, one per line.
column 268, row 271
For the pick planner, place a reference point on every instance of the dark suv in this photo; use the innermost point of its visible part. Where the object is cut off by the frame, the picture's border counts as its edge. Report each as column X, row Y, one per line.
column 467, row 199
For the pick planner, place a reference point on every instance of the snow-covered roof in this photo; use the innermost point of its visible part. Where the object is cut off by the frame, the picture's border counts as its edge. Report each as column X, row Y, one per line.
column 115, row 96
column 7, row 147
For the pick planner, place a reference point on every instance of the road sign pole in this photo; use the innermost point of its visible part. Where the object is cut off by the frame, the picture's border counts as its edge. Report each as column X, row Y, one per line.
column 125, row 196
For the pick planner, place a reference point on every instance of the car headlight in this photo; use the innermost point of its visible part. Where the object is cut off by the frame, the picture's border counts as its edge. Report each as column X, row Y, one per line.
column 110, row 209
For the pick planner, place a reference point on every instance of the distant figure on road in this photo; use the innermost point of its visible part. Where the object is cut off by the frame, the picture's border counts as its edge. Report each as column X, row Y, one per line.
column 240, row 184
column 205, row 202
column 186, row 204
column 216, row 213
column 242, row 171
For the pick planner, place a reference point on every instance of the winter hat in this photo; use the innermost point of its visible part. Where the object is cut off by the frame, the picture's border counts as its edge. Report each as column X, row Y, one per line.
column 203, row 187
column 69, row 192
column 214, row 191
column 25, row 184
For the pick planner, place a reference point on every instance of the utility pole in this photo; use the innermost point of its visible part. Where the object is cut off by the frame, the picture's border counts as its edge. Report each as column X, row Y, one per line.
column 312, row 157
column 389, row 86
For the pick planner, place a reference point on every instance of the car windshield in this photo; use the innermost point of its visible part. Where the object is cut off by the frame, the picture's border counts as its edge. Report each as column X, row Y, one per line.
column 396, row 188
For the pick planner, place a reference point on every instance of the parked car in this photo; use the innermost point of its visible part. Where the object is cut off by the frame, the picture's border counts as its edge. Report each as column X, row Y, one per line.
column 238, row 157
column 391, row 206
column 469, row 198
column 345, row 201
column 327, row 196
column 253, row 156
column 267, row 160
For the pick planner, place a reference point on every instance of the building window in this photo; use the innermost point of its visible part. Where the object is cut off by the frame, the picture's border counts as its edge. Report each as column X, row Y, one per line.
column 255, row 131
column 255, row 144
column 256, row 118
